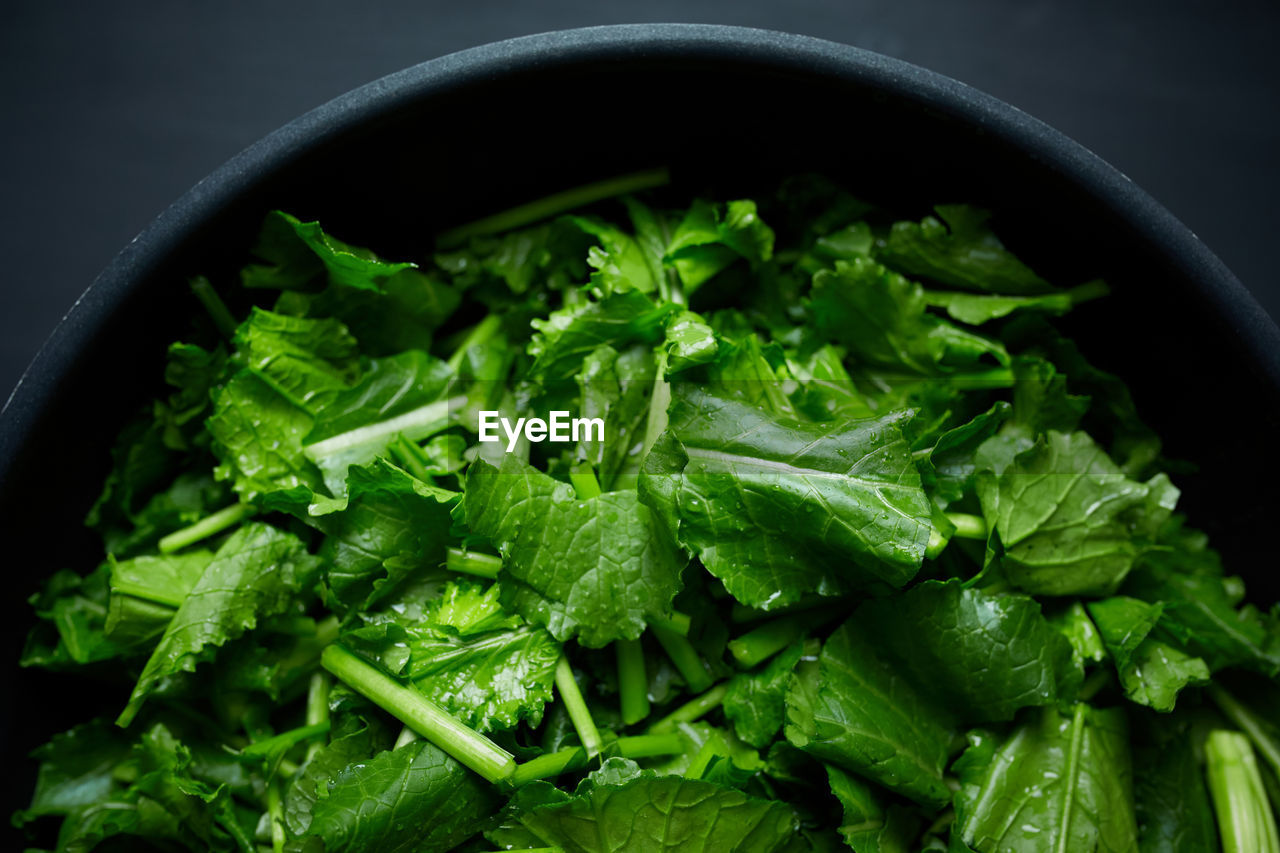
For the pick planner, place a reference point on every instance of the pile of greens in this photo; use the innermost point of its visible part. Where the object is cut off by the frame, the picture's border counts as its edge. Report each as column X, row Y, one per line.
column 870, row 556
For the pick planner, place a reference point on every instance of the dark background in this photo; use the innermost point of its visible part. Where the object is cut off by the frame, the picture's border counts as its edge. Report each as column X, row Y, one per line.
column 111, row 110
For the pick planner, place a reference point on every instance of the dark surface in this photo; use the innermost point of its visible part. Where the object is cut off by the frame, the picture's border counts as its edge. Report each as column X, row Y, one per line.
column 112, row 110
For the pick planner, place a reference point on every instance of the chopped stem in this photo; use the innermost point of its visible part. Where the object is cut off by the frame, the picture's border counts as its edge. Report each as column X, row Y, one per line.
column 406, row 454
column 684, row 656
column 421, row 714
column 317, row 707
column 278, row 743
column 937, row 544
column 692, row 710
column 275, row 812
column 553, row 205
column 762, row 643
column 473, row 563
column 1245, row 819
column 574, row 758
column 968, row 526
column 584, row 482
column 1252, row 726
column 416, row 425
column 550, row 765
column 480, row 334
column 659, row 399
column 222, row 318
column 579, row 714
column 208, row 526
column 406, row 737
column 677, row 621
column 633, row 681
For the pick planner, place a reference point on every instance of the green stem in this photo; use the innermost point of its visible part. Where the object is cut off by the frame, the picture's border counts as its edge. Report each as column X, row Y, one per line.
column 1249, row 723
column 421, row 714
column 692, row 710
column 574, row 758
column 684, row 656
column 279, row 743
column 275, row 813
column 677, row 622
column 481, row 333
column 218, row 312
column 553, row 205
column 549, row 766
column 633, row 681
column 208, row 526
column 317, row 707
column 659, row 399
column 579, row 714
column 762, row 643
column 1245, row 819
column 407, row 455
column 415, row 425
column 584, row 481
column 406, row 737
column 968, row 526
column 473, row 563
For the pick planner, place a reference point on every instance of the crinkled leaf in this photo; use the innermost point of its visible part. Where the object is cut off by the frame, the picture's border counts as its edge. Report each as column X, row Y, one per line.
column 983, row 655
column 300, row 255
column 1055, row 783
column 950, row 469
column 256, row 573
column 410, row 799
column 963, row 252
column 1171, row 802
column 569, row 335
column 869, row 825
column 756, row 702
column 711, row 237
column 881, row 317
column 596, row 568
column 1151, row 672
column 484, row 666
column 778, row 509
column 649, row 814
column 853, row 709
column 1059, row 512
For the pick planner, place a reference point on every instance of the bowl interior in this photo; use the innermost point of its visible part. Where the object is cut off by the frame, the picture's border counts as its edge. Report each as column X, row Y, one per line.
column 453, row 146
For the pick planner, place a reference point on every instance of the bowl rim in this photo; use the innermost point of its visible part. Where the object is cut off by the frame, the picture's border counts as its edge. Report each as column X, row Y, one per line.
column 1258, row 334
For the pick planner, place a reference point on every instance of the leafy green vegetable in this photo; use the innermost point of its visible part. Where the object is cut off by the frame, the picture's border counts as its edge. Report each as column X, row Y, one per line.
column 943, row 637
column 411, row 798
column 620, row 810
column 1055, row 783
column 1059, row 510
column 596, row 568
column 255, row 574
column 854, row 495
column 855, row 711
column 769, row 506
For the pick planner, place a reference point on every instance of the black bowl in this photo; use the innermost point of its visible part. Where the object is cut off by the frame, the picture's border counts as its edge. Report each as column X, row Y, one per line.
column 731, row 110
